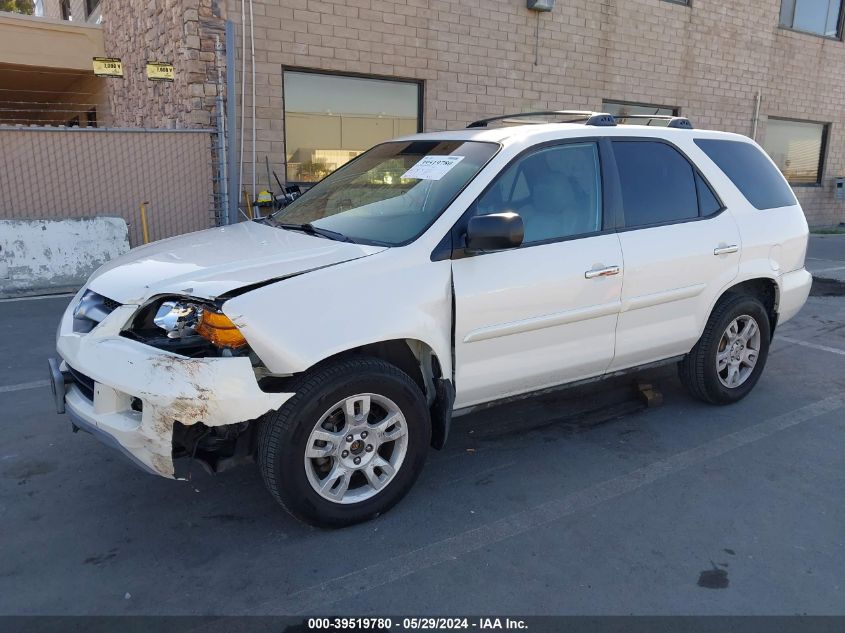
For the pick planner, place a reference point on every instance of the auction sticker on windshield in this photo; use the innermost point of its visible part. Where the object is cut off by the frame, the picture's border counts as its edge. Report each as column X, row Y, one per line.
column 432, row 167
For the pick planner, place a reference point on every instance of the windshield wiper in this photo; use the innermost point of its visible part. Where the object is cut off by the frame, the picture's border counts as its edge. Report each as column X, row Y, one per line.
column 310, row 229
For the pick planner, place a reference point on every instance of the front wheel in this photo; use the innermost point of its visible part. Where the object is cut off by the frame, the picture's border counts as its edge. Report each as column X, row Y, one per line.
column 349, row 445
column 728, row 359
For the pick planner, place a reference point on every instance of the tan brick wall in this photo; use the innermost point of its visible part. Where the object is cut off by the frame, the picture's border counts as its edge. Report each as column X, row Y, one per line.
column 178, row 31
column 477, row 58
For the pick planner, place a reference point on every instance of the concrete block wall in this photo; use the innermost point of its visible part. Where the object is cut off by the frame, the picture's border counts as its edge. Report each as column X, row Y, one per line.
column 477, row 58
column 43, row 256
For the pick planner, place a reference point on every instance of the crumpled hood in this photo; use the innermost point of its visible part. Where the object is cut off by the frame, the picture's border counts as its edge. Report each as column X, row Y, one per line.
column 210, row 263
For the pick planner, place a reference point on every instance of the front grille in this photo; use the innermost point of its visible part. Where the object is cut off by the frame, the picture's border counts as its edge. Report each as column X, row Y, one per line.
column 91, row 310
column 85, row 384
column 110, row 304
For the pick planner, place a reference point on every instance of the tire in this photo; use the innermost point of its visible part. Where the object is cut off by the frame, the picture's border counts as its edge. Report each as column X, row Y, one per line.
column 699, row 370
column 352, row 396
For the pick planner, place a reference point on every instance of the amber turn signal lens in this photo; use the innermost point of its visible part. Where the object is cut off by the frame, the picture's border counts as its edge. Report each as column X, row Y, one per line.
column 219, row 329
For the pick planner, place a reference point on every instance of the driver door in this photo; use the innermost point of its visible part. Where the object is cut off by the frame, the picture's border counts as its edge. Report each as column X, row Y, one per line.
column 545, row 313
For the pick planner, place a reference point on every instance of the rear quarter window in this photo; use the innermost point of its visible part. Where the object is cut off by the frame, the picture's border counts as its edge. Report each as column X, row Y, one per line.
column 751, row 171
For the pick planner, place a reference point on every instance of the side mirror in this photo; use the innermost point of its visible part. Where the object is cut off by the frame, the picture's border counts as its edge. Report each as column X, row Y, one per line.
column 494, row 232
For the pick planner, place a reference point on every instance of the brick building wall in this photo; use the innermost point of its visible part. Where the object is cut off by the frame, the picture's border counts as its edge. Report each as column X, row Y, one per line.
column 181, row 32
column 477, row 58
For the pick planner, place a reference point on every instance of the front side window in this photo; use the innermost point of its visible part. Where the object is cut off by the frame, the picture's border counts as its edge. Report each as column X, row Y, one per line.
column 390, row 194
column 821, row 17
column 658, row 183
column 330, row 119
column 556, row 190
column 621, row 110
column 797, row 149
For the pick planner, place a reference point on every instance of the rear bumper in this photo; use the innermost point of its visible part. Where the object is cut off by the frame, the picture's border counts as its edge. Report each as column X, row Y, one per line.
column 129, row 395
column 794, row 290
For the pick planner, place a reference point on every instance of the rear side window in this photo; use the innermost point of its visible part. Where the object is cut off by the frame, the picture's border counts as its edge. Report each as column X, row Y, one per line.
column 752, row 173
column 658, row 183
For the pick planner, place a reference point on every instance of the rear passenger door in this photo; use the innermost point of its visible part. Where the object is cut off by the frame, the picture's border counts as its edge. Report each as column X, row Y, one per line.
column 680, row 247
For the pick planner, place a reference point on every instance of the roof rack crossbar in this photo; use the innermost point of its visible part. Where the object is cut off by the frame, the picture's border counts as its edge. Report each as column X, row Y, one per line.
column 679, row 122
column 589, row 117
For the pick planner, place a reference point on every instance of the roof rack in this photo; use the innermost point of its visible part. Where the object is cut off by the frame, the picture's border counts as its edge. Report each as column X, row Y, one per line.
column 600, row 119
column 678, row 122
column 590, row 118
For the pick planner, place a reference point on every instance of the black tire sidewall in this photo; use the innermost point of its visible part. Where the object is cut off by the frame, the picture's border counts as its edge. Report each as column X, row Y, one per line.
column 735, row 308
column 296, row 492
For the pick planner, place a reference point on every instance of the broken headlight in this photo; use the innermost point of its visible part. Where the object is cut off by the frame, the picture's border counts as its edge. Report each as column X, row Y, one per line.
column 178, row 318
column 186, row 326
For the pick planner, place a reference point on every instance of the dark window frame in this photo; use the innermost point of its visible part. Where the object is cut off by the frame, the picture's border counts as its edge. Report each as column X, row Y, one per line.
column 64, row 7
column 683, row 3
column 90, row 7
column 840, row 22
column 420, row 83
column 722, row 207
column 822, row 150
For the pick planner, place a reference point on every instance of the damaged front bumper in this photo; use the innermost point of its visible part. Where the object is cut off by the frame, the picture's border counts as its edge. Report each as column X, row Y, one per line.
column 129, row 395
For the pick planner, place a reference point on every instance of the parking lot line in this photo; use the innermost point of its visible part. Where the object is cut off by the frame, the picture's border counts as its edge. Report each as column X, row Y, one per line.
column 823, row 348
column 318, row 597
column 24, row 385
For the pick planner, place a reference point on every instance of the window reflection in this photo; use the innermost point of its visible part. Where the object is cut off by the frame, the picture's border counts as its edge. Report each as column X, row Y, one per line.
column 796, row 148
column 621, row 110
column 331, row 119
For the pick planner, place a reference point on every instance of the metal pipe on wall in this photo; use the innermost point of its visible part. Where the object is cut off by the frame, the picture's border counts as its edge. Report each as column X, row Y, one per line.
column 243, row 92
column 756, row 119
column 232, row 128
column 222, row 159
column 252, row 46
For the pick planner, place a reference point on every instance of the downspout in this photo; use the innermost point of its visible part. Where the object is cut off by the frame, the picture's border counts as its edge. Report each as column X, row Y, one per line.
column 252, row 46
column 756, row 118
column 232, row 128
column 243, row 94
column 222, row 158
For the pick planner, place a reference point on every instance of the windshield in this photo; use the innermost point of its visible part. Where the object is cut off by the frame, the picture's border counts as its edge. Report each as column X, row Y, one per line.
column 390, row 194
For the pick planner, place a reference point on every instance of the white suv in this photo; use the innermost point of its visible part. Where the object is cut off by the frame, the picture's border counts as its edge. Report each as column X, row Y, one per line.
column 434, row 274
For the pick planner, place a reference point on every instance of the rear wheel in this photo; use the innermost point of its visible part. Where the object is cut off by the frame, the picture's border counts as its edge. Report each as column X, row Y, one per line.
column 728, row 359
column 349, row 445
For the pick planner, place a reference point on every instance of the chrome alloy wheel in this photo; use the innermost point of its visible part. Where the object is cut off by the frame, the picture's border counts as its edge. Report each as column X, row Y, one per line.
column 356, row 448
column 739, row 349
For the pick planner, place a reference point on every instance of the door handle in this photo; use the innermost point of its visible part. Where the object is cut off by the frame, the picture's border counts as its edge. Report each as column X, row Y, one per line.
column 725, row 250
column 602, row 272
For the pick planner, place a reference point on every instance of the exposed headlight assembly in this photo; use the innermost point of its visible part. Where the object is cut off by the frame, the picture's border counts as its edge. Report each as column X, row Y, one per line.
column 180, row 319
column 186, row 326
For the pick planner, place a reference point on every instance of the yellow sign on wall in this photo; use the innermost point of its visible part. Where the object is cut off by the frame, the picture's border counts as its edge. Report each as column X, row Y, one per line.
column 108, row 67
column 159, row 71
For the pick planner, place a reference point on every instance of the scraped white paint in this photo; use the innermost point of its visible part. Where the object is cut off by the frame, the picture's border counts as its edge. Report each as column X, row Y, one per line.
column 47, row 255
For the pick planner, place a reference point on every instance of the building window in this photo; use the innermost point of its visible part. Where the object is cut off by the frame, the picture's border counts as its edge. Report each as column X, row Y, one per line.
column 822, row 17
column 90, row 7
column 620, row 109
column 330, row 119
column 797, row 147
column 64, row 5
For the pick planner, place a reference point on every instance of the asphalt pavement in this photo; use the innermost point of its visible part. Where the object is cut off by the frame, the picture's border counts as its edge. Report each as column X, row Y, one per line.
column 583, row 502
